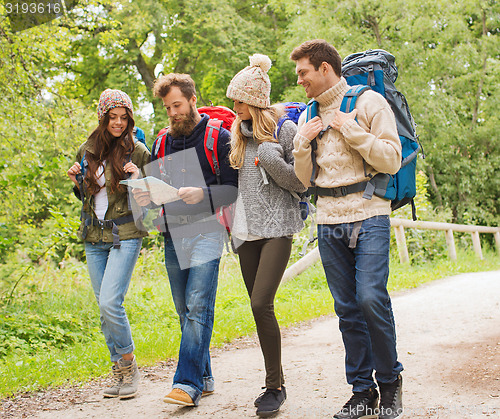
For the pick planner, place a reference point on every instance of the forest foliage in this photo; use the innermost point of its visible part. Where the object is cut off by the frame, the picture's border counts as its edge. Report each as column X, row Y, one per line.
column 51, row 75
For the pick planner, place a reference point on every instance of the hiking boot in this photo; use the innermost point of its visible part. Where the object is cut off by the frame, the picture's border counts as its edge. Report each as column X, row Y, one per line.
column 391, row 399
column 178, row 396
column 114, row 389
column 131, row 378
column 258, row 399
column 362, row 404
column 270, row 402
column 207, row 393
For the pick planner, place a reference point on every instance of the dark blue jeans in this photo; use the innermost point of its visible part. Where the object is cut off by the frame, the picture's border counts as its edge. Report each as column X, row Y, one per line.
column 193, row 291
column 357, row 279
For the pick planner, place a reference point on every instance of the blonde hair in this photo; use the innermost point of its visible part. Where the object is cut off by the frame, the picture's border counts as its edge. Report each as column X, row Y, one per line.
column 264, row 124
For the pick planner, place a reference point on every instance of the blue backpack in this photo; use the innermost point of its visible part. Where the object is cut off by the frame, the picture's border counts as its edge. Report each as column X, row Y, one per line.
column 292, row 113
column 376, row 70
column 140, row 136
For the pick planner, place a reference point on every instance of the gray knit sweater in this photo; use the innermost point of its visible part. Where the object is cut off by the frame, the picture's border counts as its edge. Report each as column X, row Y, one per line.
column 267, row 210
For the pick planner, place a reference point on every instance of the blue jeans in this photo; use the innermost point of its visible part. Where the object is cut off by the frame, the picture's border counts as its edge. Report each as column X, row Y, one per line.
column 193, row 291
column 357, row 279
column 110, row 272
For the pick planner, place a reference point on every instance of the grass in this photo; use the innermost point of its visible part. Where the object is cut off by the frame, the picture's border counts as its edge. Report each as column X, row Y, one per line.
column 50, row 294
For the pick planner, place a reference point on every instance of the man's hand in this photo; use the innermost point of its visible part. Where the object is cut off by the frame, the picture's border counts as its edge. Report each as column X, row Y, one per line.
column 141, row 197
column 311, row 128
column 191, row 195
column 342, row 117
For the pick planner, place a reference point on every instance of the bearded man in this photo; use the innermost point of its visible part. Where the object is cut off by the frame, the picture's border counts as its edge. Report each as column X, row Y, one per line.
column 194, row 239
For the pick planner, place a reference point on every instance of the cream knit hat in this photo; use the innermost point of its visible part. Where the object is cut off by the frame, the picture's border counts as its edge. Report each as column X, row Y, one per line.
column 252, row 85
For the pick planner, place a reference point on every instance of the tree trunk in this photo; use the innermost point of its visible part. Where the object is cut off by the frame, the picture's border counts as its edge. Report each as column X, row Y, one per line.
column 475, row 112
column 434, row 186
column 376, row 30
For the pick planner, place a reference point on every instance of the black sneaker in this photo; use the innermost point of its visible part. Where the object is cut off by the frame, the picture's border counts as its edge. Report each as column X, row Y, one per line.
column 391, row 399
column 270, row 402
column 258, row 399
column 362, row 404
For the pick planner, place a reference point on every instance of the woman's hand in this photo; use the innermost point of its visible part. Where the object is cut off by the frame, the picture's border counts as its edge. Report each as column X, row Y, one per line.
column 73, row 171
column 132, row 169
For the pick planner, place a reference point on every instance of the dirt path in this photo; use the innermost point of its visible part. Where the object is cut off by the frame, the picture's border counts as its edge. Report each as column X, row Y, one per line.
column 448, row 342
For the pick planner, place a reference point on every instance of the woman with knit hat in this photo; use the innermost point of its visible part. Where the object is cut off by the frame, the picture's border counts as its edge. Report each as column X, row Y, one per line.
column 267, row 210
column 112, row 238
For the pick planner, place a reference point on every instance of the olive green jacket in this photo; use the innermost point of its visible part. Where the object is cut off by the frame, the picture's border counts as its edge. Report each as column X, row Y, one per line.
column 118, row 203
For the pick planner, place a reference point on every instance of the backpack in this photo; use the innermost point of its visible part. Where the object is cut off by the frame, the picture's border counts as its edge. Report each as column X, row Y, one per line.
column 293, row 110
column 140, row 136
column 376, row 70
column 220, row 117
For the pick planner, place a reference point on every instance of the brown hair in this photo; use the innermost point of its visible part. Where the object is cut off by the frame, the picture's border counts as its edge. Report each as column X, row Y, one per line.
column 184, row 82
column 318, row 51
column 115, row 150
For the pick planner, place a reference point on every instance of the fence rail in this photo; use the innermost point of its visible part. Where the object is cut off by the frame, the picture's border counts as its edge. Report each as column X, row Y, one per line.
column 399, row 225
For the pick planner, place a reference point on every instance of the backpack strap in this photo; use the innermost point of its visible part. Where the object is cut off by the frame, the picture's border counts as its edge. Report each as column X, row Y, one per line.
column 311, row 112
column 280, row 123
column 349, row 101
column 210, row 143
column 159, row 144
column 113, row 224
column 79, row 177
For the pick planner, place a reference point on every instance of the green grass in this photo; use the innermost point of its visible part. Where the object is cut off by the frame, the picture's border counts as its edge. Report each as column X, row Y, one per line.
column 48, row 295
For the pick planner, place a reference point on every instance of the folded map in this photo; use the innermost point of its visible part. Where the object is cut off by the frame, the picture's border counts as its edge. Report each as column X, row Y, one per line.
column 159, row 191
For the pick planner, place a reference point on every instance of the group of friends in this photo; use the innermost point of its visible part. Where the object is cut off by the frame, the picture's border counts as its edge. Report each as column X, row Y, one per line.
column 264, row 164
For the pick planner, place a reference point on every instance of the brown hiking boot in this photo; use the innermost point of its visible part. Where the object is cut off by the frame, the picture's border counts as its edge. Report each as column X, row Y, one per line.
column 178, row 396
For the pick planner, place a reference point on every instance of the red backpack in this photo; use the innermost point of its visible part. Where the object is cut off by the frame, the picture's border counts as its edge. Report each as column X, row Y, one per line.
column 220, row 116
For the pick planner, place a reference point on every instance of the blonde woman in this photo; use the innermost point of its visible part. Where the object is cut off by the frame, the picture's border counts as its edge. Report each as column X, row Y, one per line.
column 267, row 210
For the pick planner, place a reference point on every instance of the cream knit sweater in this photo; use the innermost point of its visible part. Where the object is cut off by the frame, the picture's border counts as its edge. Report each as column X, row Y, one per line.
column 340, row 155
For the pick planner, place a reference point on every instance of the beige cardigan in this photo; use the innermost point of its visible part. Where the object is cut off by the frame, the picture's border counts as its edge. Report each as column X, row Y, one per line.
column 340, row 154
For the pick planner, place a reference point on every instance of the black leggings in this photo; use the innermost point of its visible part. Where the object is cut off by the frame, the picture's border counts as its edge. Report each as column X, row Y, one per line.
column 263, row 263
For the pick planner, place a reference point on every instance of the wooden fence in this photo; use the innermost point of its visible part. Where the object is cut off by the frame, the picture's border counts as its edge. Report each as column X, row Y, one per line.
column 399, row 225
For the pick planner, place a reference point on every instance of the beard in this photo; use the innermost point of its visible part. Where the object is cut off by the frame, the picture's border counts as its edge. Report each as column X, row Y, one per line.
column 185, row 126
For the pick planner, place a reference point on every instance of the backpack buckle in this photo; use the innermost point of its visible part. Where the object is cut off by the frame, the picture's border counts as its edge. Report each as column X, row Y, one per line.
column 339, row 191
column 182, row 219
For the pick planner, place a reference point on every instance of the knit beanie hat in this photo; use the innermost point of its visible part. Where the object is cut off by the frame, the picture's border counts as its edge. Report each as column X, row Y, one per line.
column 110, row 99
column 252, row 85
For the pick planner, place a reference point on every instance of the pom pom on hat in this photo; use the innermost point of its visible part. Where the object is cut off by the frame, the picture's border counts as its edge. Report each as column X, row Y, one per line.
column 252, row 85
column 110, row 99
column 262, row 61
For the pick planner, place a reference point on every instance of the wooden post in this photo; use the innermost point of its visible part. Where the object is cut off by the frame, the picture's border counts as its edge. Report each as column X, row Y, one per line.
column 497, row 241
column 301, row 265
column 450, row 242
column 476, row 243
column 399, row 231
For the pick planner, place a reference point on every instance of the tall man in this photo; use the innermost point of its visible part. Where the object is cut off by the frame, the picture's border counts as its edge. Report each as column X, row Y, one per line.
column 194, row 239
column 353, row 232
